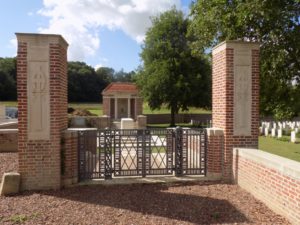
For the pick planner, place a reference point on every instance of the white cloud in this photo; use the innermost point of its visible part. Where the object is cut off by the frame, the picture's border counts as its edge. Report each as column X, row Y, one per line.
column 102, row 62
column 79, row 20
column 13, row 43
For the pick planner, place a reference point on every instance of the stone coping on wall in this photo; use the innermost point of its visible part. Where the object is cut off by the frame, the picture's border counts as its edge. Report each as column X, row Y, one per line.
column 80, row 129
column 8, row 124
column 8, row 131
column 283, row 165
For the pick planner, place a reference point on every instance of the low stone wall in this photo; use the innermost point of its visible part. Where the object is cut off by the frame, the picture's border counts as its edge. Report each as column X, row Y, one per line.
column 272, row 179
column 180, row 118
column 100, row 122
column 8, row 140
column 9, row 124
column 69, row 157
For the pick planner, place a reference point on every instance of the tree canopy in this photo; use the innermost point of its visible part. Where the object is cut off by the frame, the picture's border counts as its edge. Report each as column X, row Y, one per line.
column 8, row 89
column 170, row 74
column 84, row 83
column 275, row 24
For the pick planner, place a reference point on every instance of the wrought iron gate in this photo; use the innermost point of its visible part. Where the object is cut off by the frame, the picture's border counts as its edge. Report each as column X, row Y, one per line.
column 114, row 153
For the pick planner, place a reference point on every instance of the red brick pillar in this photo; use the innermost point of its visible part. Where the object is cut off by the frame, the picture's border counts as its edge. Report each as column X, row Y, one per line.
column 215, row 138
column 42, row 105
column 235, row 100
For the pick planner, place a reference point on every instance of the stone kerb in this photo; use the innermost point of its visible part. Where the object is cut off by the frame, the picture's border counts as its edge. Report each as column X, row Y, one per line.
column 42, row 105
column 10, row 184
column 235, row 96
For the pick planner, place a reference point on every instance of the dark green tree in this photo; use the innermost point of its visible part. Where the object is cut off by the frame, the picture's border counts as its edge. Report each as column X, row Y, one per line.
column 84, row 84
column 122, row 76
column 8, row 73
column 170, row 74
column 275, row 24
column 106, row 74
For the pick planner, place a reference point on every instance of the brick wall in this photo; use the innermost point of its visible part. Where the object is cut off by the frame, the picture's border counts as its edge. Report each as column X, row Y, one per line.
column 70, row 158
column 223, row 99
column 272, row 179
column 8, row 140
column 40, row 160
column 179, row 118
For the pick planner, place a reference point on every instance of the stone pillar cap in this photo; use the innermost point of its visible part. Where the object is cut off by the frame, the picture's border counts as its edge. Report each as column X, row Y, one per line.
column 235, row 43
column 50, row 38
column 214, row 131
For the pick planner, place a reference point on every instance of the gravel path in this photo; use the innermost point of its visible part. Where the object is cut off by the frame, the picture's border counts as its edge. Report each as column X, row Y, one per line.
column 181, row 203
column 8, row 163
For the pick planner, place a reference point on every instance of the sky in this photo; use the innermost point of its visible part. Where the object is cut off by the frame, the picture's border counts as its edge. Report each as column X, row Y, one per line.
column 99, row 32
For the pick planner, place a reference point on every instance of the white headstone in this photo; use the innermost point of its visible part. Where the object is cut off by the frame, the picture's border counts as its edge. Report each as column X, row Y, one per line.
column 296, row 130
column 261, row 130
column 279, row 133
column 293, row 136
column 127, row 123
column 273, row 134
column 266, row 131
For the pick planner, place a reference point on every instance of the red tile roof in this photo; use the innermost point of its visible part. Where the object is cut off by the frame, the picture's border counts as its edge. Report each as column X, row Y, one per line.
column 120, row 87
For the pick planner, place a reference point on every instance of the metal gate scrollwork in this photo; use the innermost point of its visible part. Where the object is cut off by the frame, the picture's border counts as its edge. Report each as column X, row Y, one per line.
column 104, row 154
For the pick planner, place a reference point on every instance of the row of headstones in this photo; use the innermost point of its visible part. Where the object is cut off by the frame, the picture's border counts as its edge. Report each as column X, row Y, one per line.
column 277, row 129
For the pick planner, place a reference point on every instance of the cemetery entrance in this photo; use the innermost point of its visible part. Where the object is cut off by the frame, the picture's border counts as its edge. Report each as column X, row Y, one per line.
column 104, row 154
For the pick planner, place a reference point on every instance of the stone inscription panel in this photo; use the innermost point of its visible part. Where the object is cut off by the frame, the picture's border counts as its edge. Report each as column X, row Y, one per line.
column 38, row 100
column 242, row 93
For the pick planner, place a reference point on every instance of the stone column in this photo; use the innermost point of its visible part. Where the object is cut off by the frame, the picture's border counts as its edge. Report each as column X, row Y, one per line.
column 42, row 104
column 138, row 106
column 106, row 105
column 128, row 108
column 235, row 100
column 116, row 108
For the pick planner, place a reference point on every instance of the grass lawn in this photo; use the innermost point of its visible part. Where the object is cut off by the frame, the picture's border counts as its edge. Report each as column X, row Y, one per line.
column 95, row 108
column 285, row 149
column 10, row 104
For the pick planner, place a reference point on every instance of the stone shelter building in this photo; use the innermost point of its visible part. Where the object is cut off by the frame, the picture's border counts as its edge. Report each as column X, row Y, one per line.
column 122, row 100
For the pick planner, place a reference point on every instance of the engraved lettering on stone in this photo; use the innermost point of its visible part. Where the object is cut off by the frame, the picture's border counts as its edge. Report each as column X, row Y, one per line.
column 38, row 101
column 242, row 92
column 39, row 84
